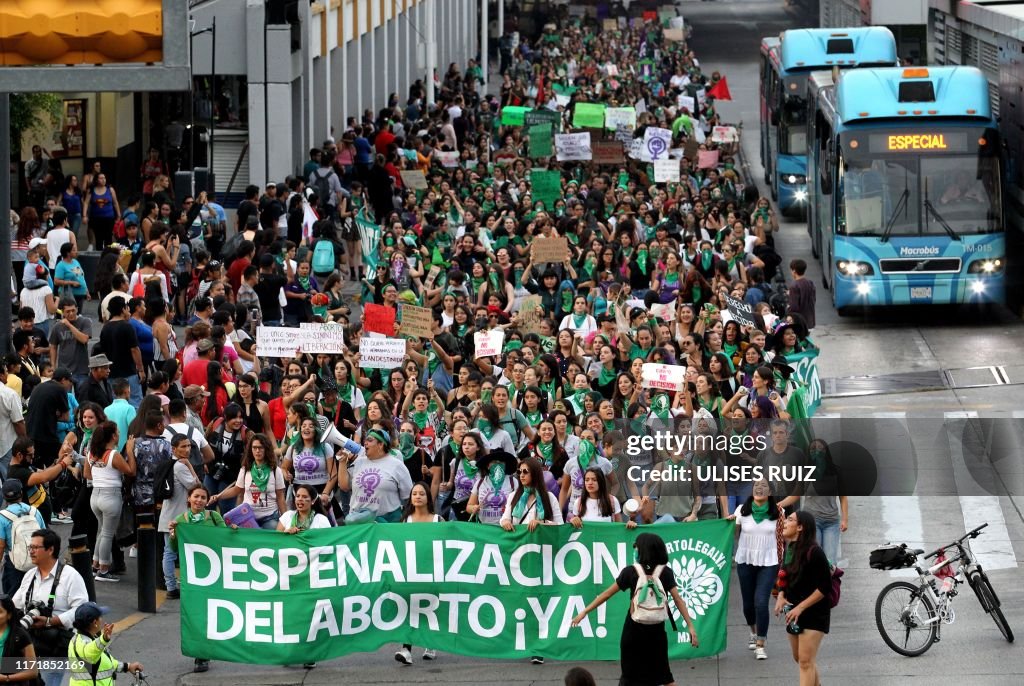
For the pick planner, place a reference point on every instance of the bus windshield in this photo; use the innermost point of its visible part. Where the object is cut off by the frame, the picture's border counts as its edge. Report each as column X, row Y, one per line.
column 793, row 124
column 932, row 183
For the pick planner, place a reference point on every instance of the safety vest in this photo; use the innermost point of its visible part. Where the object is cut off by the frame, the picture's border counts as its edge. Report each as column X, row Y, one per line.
column 93, row 653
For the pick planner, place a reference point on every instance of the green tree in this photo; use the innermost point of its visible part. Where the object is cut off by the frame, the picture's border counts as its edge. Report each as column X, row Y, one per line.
column 27, row 110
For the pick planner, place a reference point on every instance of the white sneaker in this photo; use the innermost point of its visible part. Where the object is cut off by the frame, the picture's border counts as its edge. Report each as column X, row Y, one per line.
column 429, row 654
column 133, row 552
column 404, row 656
column 760, row 654
column 753, row 642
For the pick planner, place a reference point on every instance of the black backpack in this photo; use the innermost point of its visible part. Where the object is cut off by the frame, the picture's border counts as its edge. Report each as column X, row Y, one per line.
column 322, row 186
column 196, row 455
column 163, row 481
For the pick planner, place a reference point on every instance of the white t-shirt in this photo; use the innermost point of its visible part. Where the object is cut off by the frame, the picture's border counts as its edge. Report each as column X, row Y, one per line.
column 492, row 503
column 756, row 544
column 593, row 513
column 54, row 239
column 576, row 474
column 36, row 299
column 263, row 503
column 319, row 521
column 553, row 513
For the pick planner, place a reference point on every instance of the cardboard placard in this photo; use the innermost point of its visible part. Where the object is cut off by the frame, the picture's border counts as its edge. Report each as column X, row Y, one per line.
column 546, row 186
column 381, row 353
column 666, row 377
column 674, row 35
column 656, row 143
column 687, row 103
column 666, row 170
column 416, row 321
column 488, row 343
column 448, row 160
column 624, row 135
column 531, row 311
column 614, row 117
column 414, row 179
column 541, row 140
column 740, row 311
column 610, row 25
column 432, row 276
column 550, row 250
column 588, row 115
column 707, row 159
column 691, row 149
column 513, row 115
column 542, row 116
column 280, row 341
column 379, row 319
column 570, row 147
column 725, row 134
column 607, row 152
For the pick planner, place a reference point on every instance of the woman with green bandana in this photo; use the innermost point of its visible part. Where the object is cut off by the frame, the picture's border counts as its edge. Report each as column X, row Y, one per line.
column 308, row 513
column 378, row 480
column 532, row 406
column 640, row 270
column 261, row 481
column 429, row 423
column 580, row 323
column 495, row 482
column 667, row 281
column 347, row 390
column 757, row 561
column 707, row 396
column 496, row 285
column 489, row 425
column 547, row 449
column 603, row 372
column 299, row 292
column 571, row 486
column 531, row 503
column 732, row 340
column 417, row 460
column 569, row 441
column 550, row 378
column 597, row 504
column 627, row 392
column 464, row 469
column 311, row 461
column 720, row 368
column 510, row 418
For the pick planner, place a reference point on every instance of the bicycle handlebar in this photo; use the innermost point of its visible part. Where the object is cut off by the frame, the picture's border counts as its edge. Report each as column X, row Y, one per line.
column 973, row 533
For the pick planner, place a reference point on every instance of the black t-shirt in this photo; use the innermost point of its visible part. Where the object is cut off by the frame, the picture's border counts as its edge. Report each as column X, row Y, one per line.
column 628, row 578
column 22, row 472
column 267, row 290
column 14, row 647
column 48, row 400
column 117, row 338
column 246, row 208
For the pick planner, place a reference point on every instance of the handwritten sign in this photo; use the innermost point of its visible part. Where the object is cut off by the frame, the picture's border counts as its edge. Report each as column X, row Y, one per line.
column 725, row 134
column 573, row 147
column 416, row 321
column 614, row 117
column 685, row 102
column 666, row 170
column 624, row 135
column 656, row 143
column 531, row 311
column 546, row 186
column 280, row 341
column 513, row 115
column 667, row 377
column 540, row 140
column 674, row 35
column 542, row 116
column 488, row 343
column 414, row 179
column 432, row 276
column 588, row 115
column 448, row 160
column 610, row 25
column 550, row 250
column 607, row 152
column 707, row 159
column 379, row 319
column 740, row 311
column 381, row 353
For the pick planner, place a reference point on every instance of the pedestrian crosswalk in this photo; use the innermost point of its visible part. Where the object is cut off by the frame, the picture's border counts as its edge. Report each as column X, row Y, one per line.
column 928, row 518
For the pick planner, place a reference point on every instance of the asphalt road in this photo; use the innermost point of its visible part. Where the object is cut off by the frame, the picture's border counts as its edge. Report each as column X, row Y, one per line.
column 930, row 428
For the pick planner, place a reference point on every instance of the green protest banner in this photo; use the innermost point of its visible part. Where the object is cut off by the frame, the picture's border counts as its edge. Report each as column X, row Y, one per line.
column 369, row 239
column 541, row 144
column 543, row 116
column 588, row 115
column 512, row 115
column 805, row 373
column 264, row 597
column 546, row 186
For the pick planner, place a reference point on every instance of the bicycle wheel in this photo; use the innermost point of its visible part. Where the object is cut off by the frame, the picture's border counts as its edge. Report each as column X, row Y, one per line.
column 906, row 619
column 990, row 603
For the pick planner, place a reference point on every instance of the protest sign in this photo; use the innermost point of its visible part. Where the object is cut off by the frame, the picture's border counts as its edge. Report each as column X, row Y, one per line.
column 588, row 115
column 656, row 143
column 740, row 311
column 614, row 117
column 607, row 152
column 250, row 597
column 546, row 186
column 674, row 35
column 448, row 160
column 540, row 140
column 572, row 146
column 609, row 25
column 562, row 100
column 667, row 377
column 724, row 134
column 666, row 170
column 379, row 319
column 414, row 179
column 707, row 159
column 542, row 116
column 687, row 103
column 550, row 250
column 531, row 311
column 640, row 106
column 512, row 115
column 381, row 353
column 488, row 343
column 369, row 239
column 416, row 321
column 432, row 276
column 281, row 341
column 624, row 135
column 691, row 149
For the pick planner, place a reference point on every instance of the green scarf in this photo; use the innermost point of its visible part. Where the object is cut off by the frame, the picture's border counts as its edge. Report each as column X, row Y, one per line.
column 260, row 474
column 609, row 425
column 195, row 518
column 547, row 451
column 345, row 392
column 303, row 281
column 470, row 468
column 641, row 261
column 406, row 445
column 606, row 376
column 420, row 419
column 586, row 456
column 707, row 258
column 493, row 279
column 497, row 475
column 519, row 511
column 659, row 406
column 461, row 329
column 759, row 512
column 578, row 320
column 534, row 418
column 788, row 555
column 302, row 524
column 485, row 428
column 588, row 265
column 477, row 282
column 567, row 296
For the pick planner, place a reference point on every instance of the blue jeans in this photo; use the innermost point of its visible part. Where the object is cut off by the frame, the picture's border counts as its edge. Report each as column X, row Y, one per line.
column 756, row 587
column 270, row 523
column 53, row 678
column 5, row 464
column 12, row 577
column 215, row 486
column 828, row 538
column 170, row 556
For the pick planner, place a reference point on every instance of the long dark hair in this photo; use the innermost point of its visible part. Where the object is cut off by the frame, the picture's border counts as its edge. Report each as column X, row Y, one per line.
column 315, row 505
column 101, row 436
column 773, row 507
column 409, row 509
column 650, row 551
column 604, row 499
column 801, row 547
column 540, row 488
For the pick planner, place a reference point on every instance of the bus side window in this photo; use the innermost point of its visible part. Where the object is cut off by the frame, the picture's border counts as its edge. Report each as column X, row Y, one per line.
column 840, row 225
column 826, row 156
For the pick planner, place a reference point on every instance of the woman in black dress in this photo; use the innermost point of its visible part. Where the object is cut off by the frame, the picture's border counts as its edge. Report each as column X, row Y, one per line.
column 644, row 647
column 805, row 581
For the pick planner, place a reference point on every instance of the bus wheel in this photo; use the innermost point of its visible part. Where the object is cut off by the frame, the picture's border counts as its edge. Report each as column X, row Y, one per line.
column 775, row 192
column 815, row 250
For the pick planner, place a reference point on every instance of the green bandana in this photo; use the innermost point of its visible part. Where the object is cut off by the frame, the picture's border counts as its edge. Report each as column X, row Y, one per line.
column 260, row 474
column 478, row 282
column 519, row 511
column 606, row 376
column 420, row 419
column 759, row 512
column 406, row 445
column 567, row 296
column 302, row 523
column 497, row 474
column 707, row 259
column 493, row 279
column 547, row 451
column 534, row 418
column 578, row 320
column 659, row 406
column 304, row 282
column 196, row 518
column 470, row 468
column 586, row 456
column 641, row 260
column 485, row 428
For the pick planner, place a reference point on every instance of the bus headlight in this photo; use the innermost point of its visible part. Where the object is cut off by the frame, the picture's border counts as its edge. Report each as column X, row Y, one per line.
column 795, row 179
column 800, row 195
column 853, row 268
column 977, row 287
column 992, row 265
column 863, row 288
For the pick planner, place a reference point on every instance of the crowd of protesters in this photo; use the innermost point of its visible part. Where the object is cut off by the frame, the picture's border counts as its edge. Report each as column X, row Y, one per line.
column 541, row 434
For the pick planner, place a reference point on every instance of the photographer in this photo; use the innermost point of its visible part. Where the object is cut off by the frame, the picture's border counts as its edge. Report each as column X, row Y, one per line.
column 49, row 595
column 89, row 646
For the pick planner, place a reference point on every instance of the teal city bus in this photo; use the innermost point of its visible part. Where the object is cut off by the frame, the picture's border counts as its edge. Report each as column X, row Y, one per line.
column 905, row 173
column 786, row 62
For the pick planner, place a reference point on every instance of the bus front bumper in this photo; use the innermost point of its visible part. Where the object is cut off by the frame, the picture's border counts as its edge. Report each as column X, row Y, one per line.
column 940, row 289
